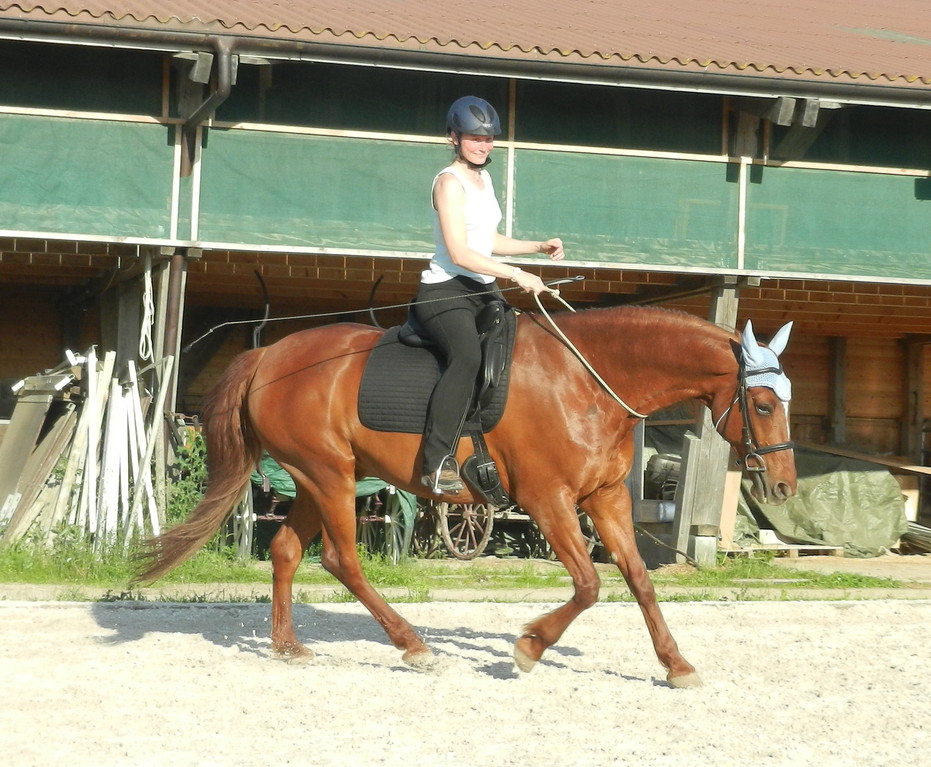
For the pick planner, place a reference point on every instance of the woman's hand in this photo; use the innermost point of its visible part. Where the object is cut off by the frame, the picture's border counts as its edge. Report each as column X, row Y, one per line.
column 553, row 248
column 529, row 282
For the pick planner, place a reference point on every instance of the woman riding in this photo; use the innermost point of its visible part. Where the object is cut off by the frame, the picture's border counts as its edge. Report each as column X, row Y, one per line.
column 461, row 279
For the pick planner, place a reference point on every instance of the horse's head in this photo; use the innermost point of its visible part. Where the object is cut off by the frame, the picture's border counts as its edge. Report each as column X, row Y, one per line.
column 756, row 418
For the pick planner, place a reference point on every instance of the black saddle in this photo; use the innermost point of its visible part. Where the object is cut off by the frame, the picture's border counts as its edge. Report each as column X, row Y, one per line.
column 400, row 376
column 490, row 324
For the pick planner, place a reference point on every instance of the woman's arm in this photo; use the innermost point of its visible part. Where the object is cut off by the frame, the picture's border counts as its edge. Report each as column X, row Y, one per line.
column 508, row 246
column 449, row 200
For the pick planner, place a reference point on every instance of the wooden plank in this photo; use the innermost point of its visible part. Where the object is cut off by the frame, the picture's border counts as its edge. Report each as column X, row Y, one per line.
column 36, row 472
column 790, row 550
column 113, row 447
column 155, row 426
column 901, row 465
column 66, row 505
column 729, row 508
column 140, row 472
column 689, row 478
column 19, row 440
column 98, row 393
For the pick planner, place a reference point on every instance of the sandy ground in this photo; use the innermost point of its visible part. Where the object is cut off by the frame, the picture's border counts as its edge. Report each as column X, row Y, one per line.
column 786, row 683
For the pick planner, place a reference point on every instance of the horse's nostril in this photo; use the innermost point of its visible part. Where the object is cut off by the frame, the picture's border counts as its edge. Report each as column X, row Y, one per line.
column 782, row 491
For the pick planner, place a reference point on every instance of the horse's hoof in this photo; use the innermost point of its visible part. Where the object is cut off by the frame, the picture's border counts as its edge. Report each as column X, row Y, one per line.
column 293, row 653
column 421, row 658
column 523, row 661
column 692, row 679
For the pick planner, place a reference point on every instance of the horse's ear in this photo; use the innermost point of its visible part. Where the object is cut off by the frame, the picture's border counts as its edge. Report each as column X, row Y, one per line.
column 753, row 354
column 781, row 339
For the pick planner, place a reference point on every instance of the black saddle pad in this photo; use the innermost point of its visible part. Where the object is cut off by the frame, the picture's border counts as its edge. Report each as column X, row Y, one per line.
column 398, row 381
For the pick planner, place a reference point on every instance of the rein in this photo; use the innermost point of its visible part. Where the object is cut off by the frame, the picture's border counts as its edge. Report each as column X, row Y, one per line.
column 754, row 451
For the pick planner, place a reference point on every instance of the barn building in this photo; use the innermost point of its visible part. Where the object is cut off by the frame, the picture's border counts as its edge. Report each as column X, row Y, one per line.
column 181, row 168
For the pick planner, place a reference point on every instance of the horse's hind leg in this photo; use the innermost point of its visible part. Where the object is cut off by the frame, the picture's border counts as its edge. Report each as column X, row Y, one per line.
column 341, row 558
column 287, row 549
column 610, row 511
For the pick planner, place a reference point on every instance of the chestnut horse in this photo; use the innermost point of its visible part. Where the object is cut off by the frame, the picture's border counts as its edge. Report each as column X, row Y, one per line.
column 562, row 441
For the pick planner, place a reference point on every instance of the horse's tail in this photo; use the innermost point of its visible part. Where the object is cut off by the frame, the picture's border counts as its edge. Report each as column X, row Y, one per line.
column 233, row 451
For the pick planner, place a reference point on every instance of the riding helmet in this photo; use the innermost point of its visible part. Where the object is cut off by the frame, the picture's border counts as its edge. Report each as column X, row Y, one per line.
column 470, row 114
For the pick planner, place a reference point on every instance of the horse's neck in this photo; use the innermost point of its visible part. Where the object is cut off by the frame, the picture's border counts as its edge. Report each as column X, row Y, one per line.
column 654, row 359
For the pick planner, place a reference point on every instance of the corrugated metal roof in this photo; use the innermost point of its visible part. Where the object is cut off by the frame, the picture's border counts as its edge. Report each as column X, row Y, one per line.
column 859, row 41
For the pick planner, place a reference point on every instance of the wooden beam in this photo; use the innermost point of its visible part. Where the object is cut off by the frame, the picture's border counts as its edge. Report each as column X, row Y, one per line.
column 892, row 463
column 837, row 406
column 913, row 418
column 18, row 443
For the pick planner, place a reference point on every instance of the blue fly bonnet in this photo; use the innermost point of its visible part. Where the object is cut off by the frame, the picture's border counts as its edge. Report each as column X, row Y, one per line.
column 761, row 363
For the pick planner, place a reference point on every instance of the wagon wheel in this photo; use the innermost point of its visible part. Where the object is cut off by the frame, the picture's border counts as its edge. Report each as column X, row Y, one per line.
column 370, row 533
column 427, row 540
column 533, row 544
column 588, row 531
column 536, row 546
column 381, row 527
column 398, row 533
column 465, row 527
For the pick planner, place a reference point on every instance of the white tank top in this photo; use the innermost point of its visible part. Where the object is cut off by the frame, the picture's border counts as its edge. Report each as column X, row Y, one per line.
column 482, row 216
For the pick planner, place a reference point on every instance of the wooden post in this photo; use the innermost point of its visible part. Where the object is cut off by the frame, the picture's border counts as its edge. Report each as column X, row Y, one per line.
column 913, row 418
column 837, row 415
column 704, row 470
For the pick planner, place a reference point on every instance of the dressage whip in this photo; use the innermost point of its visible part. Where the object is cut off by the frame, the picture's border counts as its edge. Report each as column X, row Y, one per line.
column 325, row 315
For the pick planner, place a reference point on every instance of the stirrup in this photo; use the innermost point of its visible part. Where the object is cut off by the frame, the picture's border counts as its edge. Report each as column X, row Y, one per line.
column 445, row 480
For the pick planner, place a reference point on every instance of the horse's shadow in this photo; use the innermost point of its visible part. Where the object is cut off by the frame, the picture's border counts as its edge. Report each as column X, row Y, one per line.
column 246, row 627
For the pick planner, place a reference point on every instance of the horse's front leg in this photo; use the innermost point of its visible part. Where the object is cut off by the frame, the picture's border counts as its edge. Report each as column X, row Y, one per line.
column 287, row 550
column 560, row 526
column 610, row 511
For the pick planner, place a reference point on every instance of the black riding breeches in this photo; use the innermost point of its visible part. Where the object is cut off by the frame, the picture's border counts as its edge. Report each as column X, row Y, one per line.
column 448, row 311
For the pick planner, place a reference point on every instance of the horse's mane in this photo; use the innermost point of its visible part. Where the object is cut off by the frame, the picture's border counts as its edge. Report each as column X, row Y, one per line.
column 643, row 331
column 615, row 318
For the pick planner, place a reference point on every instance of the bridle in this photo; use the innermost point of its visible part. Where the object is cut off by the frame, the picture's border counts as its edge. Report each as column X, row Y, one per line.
column 752, row 459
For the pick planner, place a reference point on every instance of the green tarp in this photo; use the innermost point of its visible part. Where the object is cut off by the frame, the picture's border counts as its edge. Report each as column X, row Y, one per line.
column 840, row 502
column 281, row 482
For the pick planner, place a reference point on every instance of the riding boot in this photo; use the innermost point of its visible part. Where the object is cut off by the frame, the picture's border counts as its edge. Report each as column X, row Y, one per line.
column 445, row 479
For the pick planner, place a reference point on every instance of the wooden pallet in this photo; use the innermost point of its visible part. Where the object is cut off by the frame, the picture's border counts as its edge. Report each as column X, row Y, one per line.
column 790, row 550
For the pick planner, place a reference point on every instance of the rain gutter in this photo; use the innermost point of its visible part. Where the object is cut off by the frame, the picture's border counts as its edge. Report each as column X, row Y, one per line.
column 439, row 61
column 223, row 47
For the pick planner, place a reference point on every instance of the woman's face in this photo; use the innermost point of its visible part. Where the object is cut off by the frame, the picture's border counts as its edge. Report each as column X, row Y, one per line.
column 475, row 149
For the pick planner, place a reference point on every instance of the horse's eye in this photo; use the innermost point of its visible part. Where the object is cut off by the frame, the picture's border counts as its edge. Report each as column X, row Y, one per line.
column 764, row 408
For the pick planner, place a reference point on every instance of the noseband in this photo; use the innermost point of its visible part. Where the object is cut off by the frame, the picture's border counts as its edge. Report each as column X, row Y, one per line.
column 752, row 459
